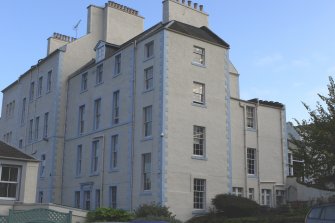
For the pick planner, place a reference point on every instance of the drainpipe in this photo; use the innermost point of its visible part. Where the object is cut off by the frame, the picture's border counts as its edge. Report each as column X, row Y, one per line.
column 245, row 149
column 257, row 152
column 133, row 126
column 103, row 169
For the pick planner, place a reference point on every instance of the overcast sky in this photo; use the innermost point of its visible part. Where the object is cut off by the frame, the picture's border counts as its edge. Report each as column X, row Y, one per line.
column 284, row 50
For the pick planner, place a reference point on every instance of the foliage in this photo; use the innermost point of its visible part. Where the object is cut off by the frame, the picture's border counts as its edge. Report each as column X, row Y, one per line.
column 234, row 206
column 155, row 219
column 155, row 212
column 109, row 214
column 316, row 146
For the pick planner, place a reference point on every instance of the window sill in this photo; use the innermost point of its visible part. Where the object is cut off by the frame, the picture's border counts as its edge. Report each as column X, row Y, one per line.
column 98, row 84
column 251, row 129
column 94, row 174
column 201, row 105
column 199, row 211
column 147, row 138
column 114, row 170
column 148, row 58
column 116, row 75
column 78, row 176
column 147, row 90
column 39, row 96
column 199, row 157
column 252, row 176
column 146, row 193
column 198, row 64
column 83, row 91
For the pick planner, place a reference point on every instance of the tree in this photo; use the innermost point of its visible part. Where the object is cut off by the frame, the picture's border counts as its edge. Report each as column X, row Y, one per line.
column 316, row 147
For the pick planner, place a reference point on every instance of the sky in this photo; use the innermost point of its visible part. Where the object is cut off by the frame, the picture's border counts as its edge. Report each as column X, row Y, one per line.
column 284, row 50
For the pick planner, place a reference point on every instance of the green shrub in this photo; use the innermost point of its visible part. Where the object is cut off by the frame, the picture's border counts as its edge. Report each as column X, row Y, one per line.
column 153, row 209
column 109, row 214
column 233, row 206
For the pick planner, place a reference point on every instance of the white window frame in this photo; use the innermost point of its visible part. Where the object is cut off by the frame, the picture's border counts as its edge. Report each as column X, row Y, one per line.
column 40, row 197
column 37, row 128
column 79, row 161
column 237, row 191
column 199, row 141
column 290, row 164
column 46, row 125
column 11, row 182
column 97, row 113
column 149, row 50
column 251, row 193
column 199, row 194
column 147, row 121
column 199, row 93
column 42, row 165
column 146, row 171
column 81, row 119
column 100, row 53
column 113, row 197
column 87, row 200
column 99, row 74
column 30, row 131
column 251, row 117
column 199, row 55
column 148, row 78
column 118, row 64
column 116, row 107
column 49, row 81
column 23, row 111
column 40, row 86
column 114, row 152
column 32, row 91
column 251, row 161
column 84, row 81
column 95, row 156
column 266, row 197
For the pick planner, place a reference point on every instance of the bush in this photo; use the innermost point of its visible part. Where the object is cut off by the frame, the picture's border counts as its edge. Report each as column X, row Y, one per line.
column 232, row 206
column 155, row 212
column 109, row 214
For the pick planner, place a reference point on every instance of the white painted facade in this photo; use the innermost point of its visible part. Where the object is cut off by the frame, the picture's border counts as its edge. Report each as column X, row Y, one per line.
column 91, row 170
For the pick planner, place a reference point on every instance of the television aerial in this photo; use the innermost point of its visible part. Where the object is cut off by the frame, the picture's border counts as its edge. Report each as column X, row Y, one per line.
column 76, row 27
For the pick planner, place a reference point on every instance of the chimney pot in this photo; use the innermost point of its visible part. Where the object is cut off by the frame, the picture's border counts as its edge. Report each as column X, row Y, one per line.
column 201, row 7
column 195, row 5
column 183, row 1
column 189, row 3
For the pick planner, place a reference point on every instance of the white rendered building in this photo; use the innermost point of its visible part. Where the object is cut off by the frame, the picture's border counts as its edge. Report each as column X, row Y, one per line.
column 142, row 117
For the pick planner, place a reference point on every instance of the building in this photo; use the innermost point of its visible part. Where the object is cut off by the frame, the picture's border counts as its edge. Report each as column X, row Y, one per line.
column 153, row 117
column 18, row 173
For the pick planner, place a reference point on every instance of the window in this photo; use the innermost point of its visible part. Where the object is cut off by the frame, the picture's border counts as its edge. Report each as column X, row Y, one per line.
column 199, row 139
column 290, row 164
column 266, row 197
column 39, row 86
column 40, row 197
column 37, row 124
column 84, row 82
column 117, row 64
column 146, row 168
column 115, row 110
column 42, row 165
column 23, row 111
column 250, row 117
column 81, row 121
column 199, row 193
column 198, row 93
column 329, row 213
column 97, row 113
column 95, row 156
column 238, row 191
column 20, row 144
column 149, row 49
column 10, row 108
column 49, row 81
column 87, row 200
column 280, row 195
column 251, row 194
column 9, row 182
column 31, row 92
column 113, row 197
column 100, row 53
column 97, row 198
column 148, row 78
column 30, row 133
column 99, row 73
column 77, row 199
column 251, row 161
column 147, row 122
column 199, row 55
column 46, row 125
column 79, row 159
column 114, row 150
column 315, row 213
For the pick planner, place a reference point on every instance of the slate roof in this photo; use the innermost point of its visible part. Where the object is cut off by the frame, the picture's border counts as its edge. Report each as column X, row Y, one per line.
column 9, row 152
column 270, row 103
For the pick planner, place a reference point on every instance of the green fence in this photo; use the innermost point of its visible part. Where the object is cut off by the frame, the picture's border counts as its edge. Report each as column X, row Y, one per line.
column 3, row 219
column 37, row 215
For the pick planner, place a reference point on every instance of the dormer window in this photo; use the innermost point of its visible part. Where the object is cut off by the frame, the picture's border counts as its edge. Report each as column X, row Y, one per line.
column 100, row 53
